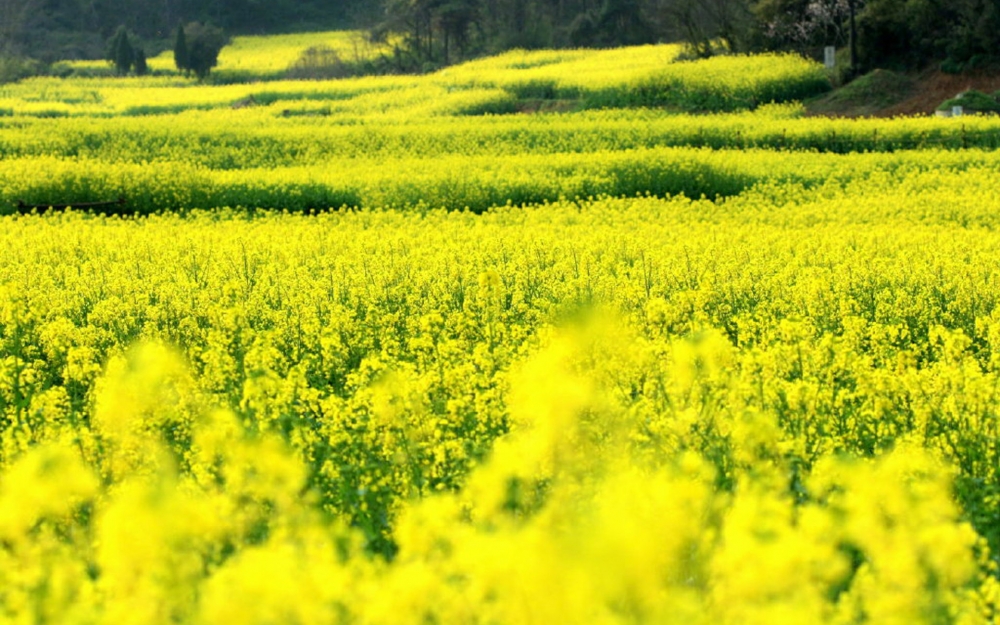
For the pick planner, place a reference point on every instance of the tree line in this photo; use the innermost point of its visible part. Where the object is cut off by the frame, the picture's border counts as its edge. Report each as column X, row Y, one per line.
column 887, row 33
column 50, row 30
column 430, row 33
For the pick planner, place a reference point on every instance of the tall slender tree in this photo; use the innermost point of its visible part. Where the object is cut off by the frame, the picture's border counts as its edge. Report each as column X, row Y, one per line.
column 181, row 57
column 121, row 53
column 139, row 64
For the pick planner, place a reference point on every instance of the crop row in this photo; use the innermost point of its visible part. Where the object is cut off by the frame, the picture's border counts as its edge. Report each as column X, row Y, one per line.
column 595, row 79
column 470, row 182
column 315, row 132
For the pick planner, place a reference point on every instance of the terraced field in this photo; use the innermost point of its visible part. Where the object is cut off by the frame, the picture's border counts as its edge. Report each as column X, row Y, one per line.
column 389, row 350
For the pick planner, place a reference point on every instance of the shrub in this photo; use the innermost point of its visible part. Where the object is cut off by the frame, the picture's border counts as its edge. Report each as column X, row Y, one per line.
column 972, row 101
column 319, row 63
column 14, row 68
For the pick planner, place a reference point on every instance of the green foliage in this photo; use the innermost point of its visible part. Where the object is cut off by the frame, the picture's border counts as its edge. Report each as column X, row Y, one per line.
column 433, row 33
column 120, row 52
column 139, row 64
column 972, row 101
column 197, row 48
column 123, row 55
column 204, row 44
column 14, row 68
column 181, row 59
column 893, row 34
column 876, row 89
column 905, row 33
column 977, row 37
column 319, row 63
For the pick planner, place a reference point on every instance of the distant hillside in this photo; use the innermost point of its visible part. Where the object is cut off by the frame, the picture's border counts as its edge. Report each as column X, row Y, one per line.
column 54, row 30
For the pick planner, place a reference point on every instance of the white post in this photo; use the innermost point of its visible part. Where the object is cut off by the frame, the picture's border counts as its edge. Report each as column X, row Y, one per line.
column 830, row 57
column 956, row 111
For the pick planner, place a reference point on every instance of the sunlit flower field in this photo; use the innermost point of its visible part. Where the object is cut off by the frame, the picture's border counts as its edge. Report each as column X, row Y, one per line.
column 389, row 350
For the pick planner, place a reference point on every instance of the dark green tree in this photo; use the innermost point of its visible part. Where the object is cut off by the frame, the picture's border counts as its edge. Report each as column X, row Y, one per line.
column 204, row 42
column 621, row 22
column 976, row 36
column 455, row 20
column 181, row 59
column 120, row 52
column 904, row 33
column 139, row 65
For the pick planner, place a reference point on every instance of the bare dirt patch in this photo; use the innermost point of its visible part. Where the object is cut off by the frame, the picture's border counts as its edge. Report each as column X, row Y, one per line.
column 888, row 94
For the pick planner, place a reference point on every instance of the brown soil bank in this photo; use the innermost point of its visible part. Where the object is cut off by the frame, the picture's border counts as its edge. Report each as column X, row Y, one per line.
column 888, row 94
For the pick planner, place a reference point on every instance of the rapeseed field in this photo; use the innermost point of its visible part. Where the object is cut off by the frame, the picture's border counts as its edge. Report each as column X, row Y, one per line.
column 389, row 350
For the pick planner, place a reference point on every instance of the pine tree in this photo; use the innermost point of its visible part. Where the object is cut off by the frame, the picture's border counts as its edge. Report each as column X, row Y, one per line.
column 181, row 56
column 122, row 54
column 139, row 64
